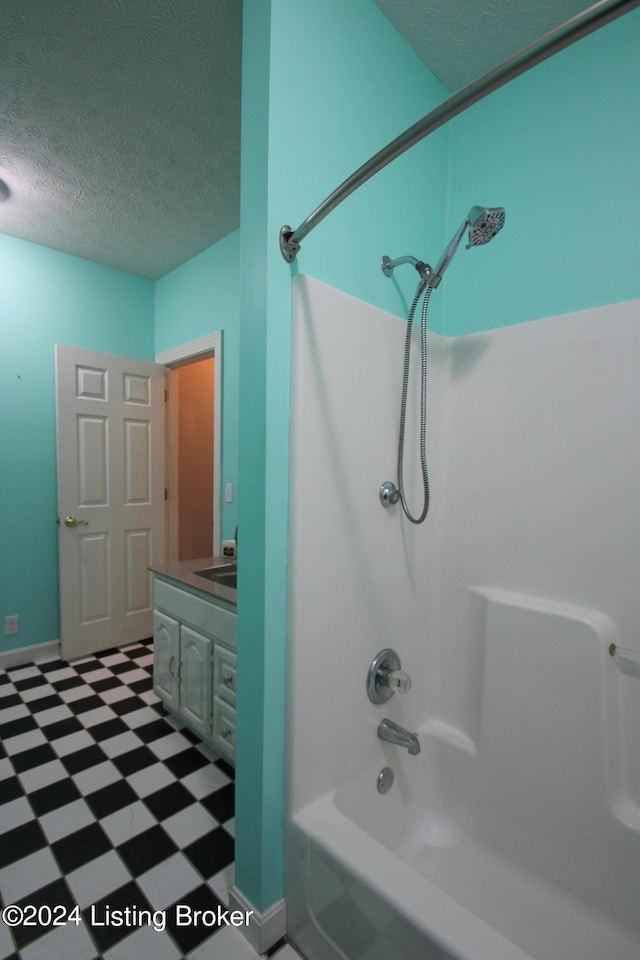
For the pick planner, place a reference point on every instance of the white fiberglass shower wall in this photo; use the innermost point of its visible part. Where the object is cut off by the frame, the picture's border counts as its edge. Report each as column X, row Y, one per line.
column 515, row 833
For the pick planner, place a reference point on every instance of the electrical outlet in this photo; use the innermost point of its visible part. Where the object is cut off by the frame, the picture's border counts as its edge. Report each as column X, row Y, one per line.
column 228, row 492
column 11, row 625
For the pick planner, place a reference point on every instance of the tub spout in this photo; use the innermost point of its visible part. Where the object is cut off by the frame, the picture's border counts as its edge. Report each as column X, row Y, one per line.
column 394, row 733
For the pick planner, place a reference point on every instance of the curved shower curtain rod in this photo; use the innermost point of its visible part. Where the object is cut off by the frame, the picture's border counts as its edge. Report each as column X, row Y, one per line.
column 563, row 36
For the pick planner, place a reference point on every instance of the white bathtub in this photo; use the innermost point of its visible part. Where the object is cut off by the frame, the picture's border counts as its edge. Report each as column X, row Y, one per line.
column 414, row 875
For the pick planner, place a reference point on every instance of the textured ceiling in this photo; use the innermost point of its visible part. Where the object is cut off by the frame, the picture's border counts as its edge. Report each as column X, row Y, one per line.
column 120, row 127
column 459, row 40
column 120, row 119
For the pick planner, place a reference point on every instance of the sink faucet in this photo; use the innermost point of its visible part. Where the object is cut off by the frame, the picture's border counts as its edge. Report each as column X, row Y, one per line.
column 394, row 733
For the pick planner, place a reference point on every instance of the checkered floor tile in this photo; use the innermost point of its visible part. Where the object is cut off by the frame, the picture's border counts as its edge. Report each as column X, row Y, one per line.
column 110, row 808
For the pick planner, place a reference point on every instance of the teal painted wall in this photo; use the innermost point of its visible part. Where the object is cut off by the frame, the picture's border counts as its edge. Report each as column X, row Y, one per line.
column 324, row 86
column 199, row 298
column 48, row 297
column 559, row 148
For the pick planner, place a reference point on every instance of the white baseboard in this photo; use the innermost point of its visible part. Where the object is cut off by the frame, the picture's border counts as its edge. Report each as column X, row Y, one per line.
column 22, row 655
column 264, row 929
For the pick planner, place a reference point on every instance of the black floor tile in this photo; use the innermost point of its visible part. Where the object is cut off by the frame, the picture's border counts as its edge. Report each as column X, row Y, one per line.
column 188, row 937
column 127, row 705
column 154, row 730
column 33, row 757
column 226, row 768
column 10, row 789
column 53, row 796
column 107, row 684
column 221, row 803
column 106, row 936
column 134, row 760
column 68, row 683
column 45, row 703
column 83, row 759
column 147, row 849
column 50, row 666
column 141, row 686
column 49, row 896
column 93, row 702
column 108, row 729
column 78, row 848
column 186, row 762
column 29, row 683
column 15, row 727
column 169, row 800
column 12, row 700
column 113, row 797
column 63, row 728
column 20, row 842
column 212, row 852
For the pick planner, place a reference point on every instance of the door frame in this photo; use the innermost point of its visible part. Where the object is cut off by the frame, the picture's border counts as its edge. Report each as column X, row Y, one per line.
column 186, row 352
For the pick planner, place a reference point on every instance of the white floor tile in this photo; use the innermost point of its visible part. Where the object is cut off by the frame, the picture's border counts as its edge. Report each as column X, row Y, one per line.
column 6, row 942
column 74, row 693
column 145, row 944
column 100, row 673
column 75, row 741
column 222, row 882
column 230, row 826
column 189, row 824
column 150, row 697
column 150, row 779
column 14, row 713
column 137, row 718
column 60, row 823
column 62, row 674
column 115, row 694
column 121, row 744
column 169, row 882
column 97, row 878
column 145, row 661
column 113, row 659
column 37, row 693
column 45, row 717
column 100, row 715
column 132, row 676
column 204, row 781
column 227, row 944
column 127, row 823
column 6, row 768
column 24, row 673
column 24, row 741
column 43, row 775
column 26, row 875
column 15, row 813
column 168, row 746
column 101, row 775
column 70, row 942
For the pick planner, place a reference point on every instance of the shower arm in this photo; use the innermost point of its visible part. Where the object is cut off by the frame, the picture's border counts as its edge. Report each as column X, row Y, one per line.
column 550, row 43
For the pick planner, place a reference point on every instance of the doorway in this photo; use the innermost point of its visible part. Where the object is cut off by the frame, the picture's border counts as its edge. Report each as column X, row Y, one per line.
column 193, row 448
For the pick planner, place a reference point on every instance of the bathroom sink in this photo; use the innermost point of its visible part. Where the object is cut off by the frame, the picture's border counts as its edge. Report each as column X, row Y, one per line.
column 226, row 575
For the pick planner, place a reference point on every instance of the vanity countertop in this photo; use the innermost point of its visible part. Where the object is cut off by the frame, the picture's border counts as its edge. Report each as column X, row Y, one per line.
column 183, row 571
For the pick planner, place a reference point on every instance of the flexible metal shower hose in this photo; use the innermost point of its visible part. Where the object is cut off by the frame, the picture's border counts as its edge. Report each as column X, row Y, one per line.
column 423, row 402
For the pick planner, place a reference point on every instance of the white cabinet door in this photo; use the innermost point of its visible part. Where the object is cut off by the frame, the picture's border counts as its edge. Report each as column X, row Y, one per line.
column 196, row 680
column 166, row 658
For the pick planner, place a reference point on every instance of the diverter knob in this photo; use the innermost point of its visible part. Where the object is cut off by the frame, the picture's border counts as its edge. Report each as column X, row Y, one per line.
column 385, row 677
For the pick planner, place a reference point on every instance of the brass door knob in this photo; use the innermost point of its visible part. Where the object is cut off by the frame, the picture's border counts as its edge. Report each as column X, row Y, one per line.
column 72, row 522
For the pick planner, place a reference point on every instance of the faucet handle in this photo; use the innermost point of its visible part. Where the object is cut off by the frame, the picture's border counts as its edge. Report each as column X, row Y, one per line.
column 399, row 681
column 385, row 677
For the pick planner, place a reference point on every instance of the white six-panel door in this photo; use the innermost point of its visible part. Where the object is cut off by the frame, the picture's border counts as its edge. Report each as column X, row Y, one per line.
column 110, row 448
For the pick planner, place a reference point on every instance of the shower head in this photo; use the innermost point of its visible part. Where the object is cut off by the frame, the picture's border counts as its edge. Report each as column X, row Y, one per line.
column 483, row 224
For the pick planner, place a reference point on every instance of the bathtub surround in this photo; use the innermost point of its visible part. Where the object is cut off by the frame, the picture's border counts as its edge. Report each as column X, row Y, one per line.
column 503, row 608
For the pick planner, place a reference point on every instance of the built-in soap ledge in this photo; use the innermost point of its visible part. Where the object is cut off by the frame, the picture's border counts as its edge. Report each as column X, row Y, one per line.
column 627, row 661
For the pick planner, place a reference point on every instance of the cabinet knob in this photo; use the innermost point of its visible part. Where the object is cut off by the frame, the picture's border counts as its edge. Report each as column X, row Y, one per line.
column 227, row 679
column 226, row 733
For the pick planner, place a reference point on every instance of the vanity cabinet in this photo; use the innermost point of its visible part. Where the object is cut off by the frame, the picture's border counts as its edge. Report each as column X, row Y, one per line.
column 194, row 667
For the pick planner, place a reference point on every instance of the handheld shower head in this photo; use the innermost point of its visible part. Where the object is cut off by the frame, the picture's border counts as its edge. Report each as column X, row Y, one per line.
column 483, row 223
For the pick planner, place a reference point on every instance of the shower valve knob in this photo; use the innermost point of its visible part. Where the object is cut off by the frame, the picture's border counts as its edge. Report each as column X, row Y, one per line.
column 399, row 681
column 386, row 677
